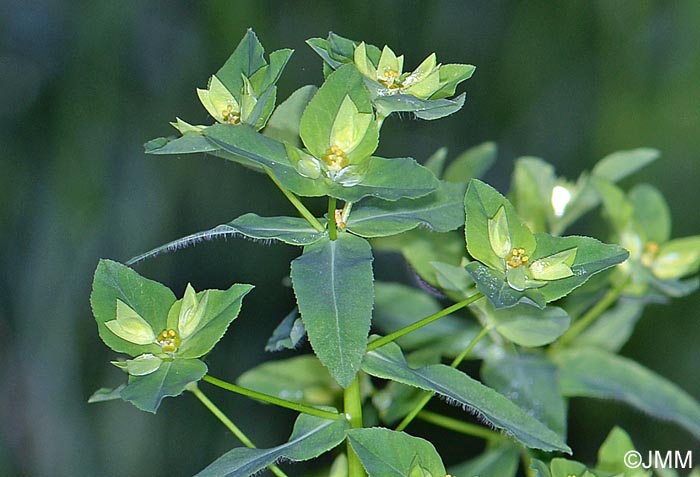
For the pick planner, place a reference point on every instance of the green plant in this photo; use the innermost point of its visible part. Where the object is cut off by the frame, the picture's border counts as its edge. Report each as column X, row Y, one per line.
column 548, row 312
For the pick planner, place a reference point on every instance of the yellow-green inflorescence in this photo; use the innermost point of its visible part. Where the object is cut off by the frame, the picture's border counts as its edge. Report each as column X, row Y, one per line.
column 521, row 271
column 131, row 327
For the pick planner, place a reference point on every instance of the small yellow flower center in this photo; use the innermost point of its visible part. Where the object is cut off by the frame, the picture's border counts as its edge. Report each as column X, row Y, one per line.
column 517, row 258
column 169, row 341
column 389, row 78
column 335, row 159
column 231, row 116
column 651, row 250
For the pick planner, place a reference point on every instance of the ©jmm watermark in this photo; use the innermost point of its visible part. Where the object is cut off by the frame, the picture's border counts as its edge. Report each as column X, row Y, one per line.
column 659, row 460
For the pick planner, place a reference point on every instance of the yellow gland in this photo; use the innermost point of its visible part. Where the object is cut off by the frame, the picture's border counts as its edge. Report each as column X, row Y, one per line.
column 339, row 219
column 335, row 159
column 651, row 249
column 389, row 79
column 169, row 341
column 517, row 258
column 231, row 116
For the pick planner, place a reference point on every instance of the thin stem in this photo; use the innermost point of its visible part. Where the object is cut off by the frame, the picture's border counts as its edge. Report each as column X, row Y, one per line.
column 346, row 212
column 271, row 399
column 296, row 203
column 421, row 323
column 235, row 430
column 592, row 314
column 429, row 395
column 353, row 410
column 332, row 232
column 459, row 426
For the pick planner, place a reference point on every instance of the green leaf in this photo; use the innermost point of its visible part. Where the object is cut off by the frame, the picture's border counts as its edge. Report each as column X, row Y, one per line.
column 472, row 163
column 311, row 437
column 243, row 141
column 290, row 230
column 611, row 455
column 301, row 379
column 592, row 256
column 483, row 203
column 245, row 60
column 436, row 162
column 323, row 112
column 651, row 213
column 186, row 144
column 171, row 379
column 566, row 468
column 427, row 109
column 388, row 362
column 621, row 164
column 528, row 325
column 332, row 281
column 288, row 333
column 533, row 183
column 439, row 211
column 283, row 125
column 222, row 308
column 530, row 381
column 599, row 374
column 500, row 461
column 540, row 468
column 389, row 179
column 151, row 300
column 494, row 286
column 453, row 279
column 387, row 453
column 395, row 400
column 397, row 306
column 106, row 394
column 614, row 327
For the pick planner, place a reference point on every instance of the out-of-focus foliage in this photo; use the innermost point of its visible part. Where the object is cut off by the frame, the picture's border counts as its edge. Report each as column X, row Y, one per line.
column 84, row 84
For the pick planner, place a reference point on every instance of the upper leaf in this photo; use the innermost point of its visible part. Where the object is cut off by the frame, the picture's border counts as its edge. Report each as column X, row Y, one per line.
column 333, row 284
column 388, row 362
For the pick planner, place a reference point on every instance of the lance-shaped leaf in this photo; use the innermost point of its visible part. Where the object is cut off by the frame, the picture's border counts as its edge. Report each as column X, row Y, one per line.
column 289, row 230
column 332, row 282
column 524, row 324
column 222, row 307
column 596, row 373
column 388, row 362
column 500, row 461
column 190, row 143
column 171, row 379
column 486, row 211
column 301, row 378
column 530, row 381
column 614, row 327
column 439, row 211
column 388, row 453
column 115, row 283
column 620, row 164
column 472, row 163
column 311, row 437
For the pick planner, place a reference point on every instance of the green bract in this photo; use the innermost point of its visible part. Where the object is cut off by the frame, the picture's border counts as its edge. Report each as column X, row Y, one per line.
column 537, row 268
column 165, row 336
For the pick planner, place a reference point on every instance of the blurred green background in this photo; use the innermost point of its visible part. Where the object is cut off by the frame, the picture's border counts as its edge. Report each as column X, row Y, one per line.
column 84, row 83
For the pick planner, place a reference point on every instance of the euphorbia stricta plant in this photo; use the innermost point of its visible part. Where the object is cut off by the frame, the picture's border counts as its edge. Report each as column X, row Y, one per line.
column 521, row 300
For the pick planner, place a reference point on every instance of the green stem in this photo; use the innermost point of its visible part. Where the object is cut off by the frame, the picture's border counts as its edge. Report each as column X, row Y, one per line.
column 346, row 212
column 296, row 203
column 332, row 232
column 429, row 395
column 591, row 315
column 459, row 426
column 353, row 410
column 421, row 323
column 271, row 399
column 235, row 430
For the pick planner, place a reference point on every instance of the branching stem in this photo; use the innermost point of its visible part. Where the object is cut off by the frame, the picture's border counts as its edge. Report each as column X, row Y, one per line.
column 313, row 221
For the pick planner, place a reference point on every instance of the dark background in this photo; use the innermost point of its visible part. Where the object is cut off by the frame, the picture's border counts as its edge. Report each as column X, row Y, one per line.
column 84, row 83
